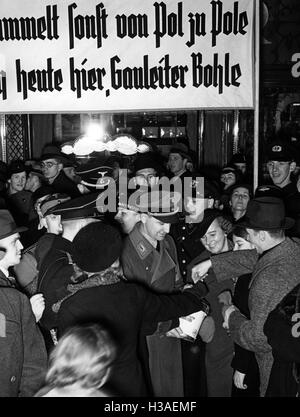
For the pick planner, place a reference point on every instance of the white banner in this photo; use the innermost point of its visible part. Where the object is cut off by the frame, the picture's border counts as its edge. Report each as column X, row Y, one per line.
column 116, row 55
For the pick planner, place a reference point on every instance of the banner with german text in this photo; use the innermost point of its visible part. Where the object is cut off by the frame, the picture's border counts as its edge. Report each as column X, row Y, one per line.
column 89, row 56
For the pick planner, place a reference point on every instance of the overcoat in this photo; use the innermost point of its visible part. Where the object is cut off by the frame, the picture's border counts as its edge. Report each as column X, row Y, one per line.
column 23, row 357
column 127, row 310
column 158, row 270
column 274, row 274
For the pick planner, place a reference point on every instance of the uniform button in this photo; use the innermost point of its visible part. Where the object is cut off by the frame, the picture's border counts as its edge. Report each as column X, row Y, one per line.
column 183, row 238
column 184, row 272
column 12, row 379
column 183, row 261
column 183, row 227
column 182, row 250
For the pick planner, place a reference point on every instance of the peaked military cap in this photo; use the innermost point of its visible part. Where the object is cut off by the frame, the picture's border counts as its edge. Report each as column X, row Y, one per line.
column 95, row 174
column 78, row 208
column 52, row 201
column 162, row 204
column 280, row 151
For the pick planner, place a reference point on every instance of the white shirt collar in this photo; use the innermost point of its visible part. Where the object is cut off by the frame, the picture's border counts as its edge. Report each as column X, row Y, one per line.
column 5, row 271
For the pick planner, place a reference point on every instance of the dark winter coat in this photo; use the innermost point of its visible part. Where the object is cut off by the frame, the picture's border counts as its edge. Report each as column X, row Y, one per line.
column 127, row 310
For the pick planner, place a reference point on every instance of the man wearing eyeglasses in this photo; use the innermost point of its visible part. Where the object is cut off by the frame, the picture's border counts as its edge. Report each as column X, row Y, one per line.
column 52, row 164
column 281, row 163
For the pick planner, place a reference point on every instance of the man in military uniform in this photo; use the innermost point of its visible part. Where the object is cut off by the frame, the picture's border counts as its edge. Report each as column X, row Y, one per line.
column 128, row 215
column 177, row 161
column 149, row 256
column 281, row 163
column 187, row 236
column 185, row 232
column 57, row 268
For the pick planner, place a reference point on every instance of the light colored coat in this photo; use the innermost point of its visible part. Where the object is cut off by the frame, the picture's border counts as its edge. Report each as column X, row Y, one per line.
column 274, row 275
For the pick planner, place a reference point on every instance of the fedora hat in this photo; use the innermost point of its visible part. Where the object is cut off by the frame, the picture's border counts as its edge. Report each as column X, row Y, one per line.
column 8, row 226
column 53, row 152
column 266, row 213
column 181, row 149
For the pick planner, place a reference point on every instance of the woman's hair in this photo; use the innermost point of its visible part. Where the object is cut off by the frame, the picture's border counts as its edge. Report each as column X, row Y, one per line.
column 84, row 354
column 240, row 231
column 225, row 224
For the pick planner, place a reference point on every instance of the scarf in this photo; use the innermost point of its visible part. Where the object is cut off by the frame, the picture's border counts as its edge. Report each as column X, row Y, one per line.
column 107, row 277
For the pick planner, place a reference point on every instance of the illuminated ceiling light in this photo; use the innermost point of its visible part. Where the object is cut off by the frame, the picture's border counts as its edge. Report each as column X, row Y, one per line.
column 100, row 146
column 94, row 132
column 125, row 144
column 83, row 146
column 143, row 148
column 111, row 146
column 67, row 148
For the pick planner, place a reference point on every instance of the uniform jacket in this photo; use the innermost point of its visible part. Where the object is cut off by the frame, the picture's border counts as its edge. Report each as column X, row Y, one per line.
column 142, row 262
column 159, row 270
column 127, row 310
column 23, row 358
column 188, row 243
column 273, row 275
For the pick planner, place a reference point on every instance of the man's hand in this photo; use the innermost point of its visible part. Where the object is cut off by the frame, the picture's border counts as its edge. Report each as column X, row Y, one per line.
column 238, row 379
column 226, row 311
column 199, row 272
column 37, row 302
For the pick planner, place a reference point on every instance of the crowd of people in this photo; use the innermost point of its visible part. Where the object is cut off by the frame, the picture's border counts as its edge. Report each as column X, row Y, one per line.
column 100, row 262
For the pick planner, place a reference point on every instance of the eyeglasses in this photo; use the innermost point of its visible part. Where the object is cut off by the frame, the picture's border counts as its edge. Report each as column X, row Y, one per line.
column 48, row 164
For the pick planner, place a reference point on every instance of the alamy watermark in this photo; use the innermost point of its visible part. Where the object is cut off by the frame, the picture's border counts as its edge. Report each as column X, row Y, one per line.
column 296, row 327
column 175, row 194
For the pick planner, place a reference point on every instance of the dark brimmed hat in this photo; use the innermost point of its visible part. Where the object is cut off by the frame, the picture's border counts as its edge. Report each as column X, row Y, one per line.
column 227, row 169
column 53, row 152
column 238, row 158
column 180, row 148
column 146, row 160
column 280, row 151
column 96, row 247
column 209, row 216
column 162, row 205
column 95, row 175
column 8, row 226
column 16, row 167
column 35, row 171
column 52, row 201
column 266, row 213
column 78, row 208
